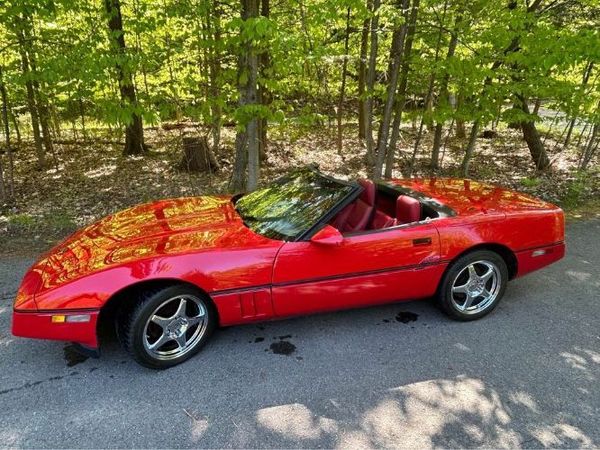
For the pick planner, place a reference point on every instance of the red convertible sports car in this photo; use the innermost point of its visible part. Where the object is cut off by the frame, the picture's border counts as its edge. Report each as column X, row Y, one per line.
column 168, row 272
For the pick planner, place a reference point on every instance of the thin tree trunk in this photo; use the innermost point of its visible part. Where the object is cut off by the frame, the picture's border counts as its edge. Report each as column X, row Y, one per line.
column 370, row 82
column 444, row 94
column 590, row 148
column 134, row 131
column 428, row 97
column 264, row 95
column 247, row 147
column 466, row 162
column 401, row 94
column 395, row 62
column 15, row 122
column 584, row 81
column 343, row 86
column 31, row 103
column 11, row 165
column 362, row 72
column 532, row 137
column 215, row 70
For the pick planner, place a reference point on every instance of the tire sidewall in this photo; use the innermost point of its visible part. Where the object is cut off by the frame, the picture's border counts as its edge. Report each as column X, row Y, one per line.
column 445, row 290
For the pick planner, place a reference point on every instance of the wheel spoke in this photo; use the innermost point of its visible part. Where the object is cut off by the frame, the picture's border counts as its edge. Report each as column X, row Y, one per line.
column 163, row 339
column 181, row 341
column 486, row 276
column 160, row 321
column 472, row 273
column 460, row 289
column 181, row 309
column 468, row 301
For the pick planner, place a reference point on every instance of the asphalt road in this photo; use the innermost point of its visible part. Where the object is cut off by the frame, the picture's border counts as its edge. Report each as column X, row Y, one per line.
column 525, row 376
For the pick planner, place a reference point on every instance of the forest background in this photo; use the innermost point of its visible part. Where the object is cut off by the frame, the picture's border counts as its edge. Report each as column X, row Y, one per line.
column 110, row 103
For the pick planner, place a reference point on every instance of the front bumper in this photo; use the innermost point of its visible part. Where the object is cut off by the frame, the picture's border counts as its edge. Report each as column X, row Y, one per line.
column 40, row 325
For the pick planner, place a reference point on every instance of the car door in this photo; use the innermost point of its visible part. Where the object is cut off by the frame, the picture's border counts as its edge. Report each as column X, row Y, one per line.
column 371, row 267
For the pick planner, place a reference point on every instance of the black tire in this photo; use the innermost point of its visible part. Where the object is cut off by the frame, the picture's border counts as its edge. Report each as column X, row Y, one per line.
column 135, row 326
column 452, row 301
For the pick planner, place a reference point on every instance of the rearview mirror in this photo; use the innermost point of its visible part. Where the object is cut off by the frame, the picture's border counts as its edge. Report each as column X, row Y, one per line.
column 328, row 235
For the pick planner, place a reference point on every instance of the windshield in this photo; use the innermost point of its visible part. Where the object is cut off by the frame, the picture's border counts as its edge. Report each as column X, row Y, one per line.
column 290, row 206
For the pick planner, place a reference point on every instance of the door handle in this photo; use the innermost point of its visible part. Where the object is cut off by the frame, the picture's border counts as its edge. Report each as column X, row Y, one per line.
column 421, row 241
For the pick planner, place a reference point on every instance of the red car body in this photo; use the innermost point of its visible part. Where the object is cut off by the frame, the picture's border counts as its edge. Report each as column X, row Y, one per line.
column 203, row 241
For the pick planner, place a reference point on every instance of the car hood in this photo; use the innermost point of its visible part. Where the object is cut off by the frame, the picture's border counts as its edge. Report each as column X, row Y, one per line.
column 165, row 227
column 469, row 197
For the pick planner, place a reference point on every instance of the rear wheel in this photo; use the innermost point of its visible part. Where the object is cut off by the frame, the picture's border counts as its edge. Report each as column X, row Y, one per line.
column 168, row 326
column 473, row 285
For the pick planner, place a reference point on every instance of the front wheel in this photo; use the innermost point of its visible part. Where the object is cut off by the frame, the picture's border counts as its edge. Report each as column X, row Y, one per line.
column 168, row 326
column 473, row 285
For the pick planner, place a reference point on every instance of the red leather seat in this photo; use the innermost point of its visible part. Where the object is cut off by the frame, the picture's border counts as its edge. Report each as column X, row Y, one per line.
column 382, row 220
column 356, row 216
column 408, row 209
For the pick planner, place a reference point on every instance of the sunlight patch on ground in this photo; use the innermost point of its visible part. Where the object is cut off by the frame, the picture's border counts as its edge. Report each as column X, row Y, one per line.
column 295, row 420
column 102, row 171
column 559, row 434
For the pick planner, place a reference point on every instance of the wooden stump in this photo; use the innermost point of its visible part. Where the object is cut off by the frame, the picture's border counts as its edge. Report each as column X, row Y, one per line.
column 197, row 156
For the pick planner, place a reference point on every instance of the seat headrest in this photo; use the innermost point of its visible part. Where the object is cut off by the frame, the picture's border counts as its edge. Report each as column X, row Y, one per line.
column 408, row 209
column 368, row 193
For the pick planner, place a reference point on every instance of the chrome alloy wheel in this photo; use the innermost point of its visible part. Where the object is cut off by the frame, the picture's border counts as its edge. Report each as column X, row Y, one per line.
column 476, row 287
column 175, row 327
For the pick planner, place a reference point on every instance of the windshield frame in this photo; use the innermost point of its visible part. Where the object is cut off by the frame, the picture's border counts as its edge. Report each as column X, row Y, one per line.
column 326, row 217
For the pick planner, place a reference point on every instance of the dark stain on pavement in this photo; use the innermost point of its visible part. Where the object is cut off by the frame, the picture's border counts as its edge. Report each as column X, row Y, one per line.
column 72, row 356
column 406, row 317
column 259, row 339
column 283, row 348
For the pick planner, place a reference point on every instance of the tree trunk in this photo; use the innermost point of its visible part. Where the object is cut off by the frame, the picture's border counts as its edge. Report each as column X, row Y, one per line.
column 215, row 71
column 401, row 94
column 362, row 69
column 264, row 95
column 247, row 145
column 444, row 95
column 466, row 162
column 586, row 76
column 428, row 97
column 11, row 165
column 31, row 103
column 532, row 137
column 370, row 82
column 343, row 86
column 197, row 156
column 134, row 131
column 395, row 62
column 590, row 148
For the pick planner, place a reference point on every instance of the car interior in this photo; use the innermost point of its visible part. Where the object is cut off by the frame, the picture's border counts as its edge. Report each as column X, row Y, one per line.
column 380, row 207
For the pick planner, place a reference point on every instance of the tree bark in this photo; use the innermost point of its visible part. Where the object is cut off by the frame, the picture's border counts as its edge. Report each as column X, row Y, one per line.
column 584, row 81
column 343, row 86
column 444, row 95
column 428, row 97
column 466, row 162
column 134, row 131
column 247, row 146
column 395, row 62
column 370, row 82
column 532, row 137
column 11, row 164
column 264, row 95
column 31, row 102
column 362, row 73
column 401, row 94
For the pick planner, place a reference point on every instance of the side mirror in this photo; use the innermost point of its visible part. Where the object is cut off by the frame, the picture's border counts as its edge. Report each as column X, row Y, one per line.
column 328, row 235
